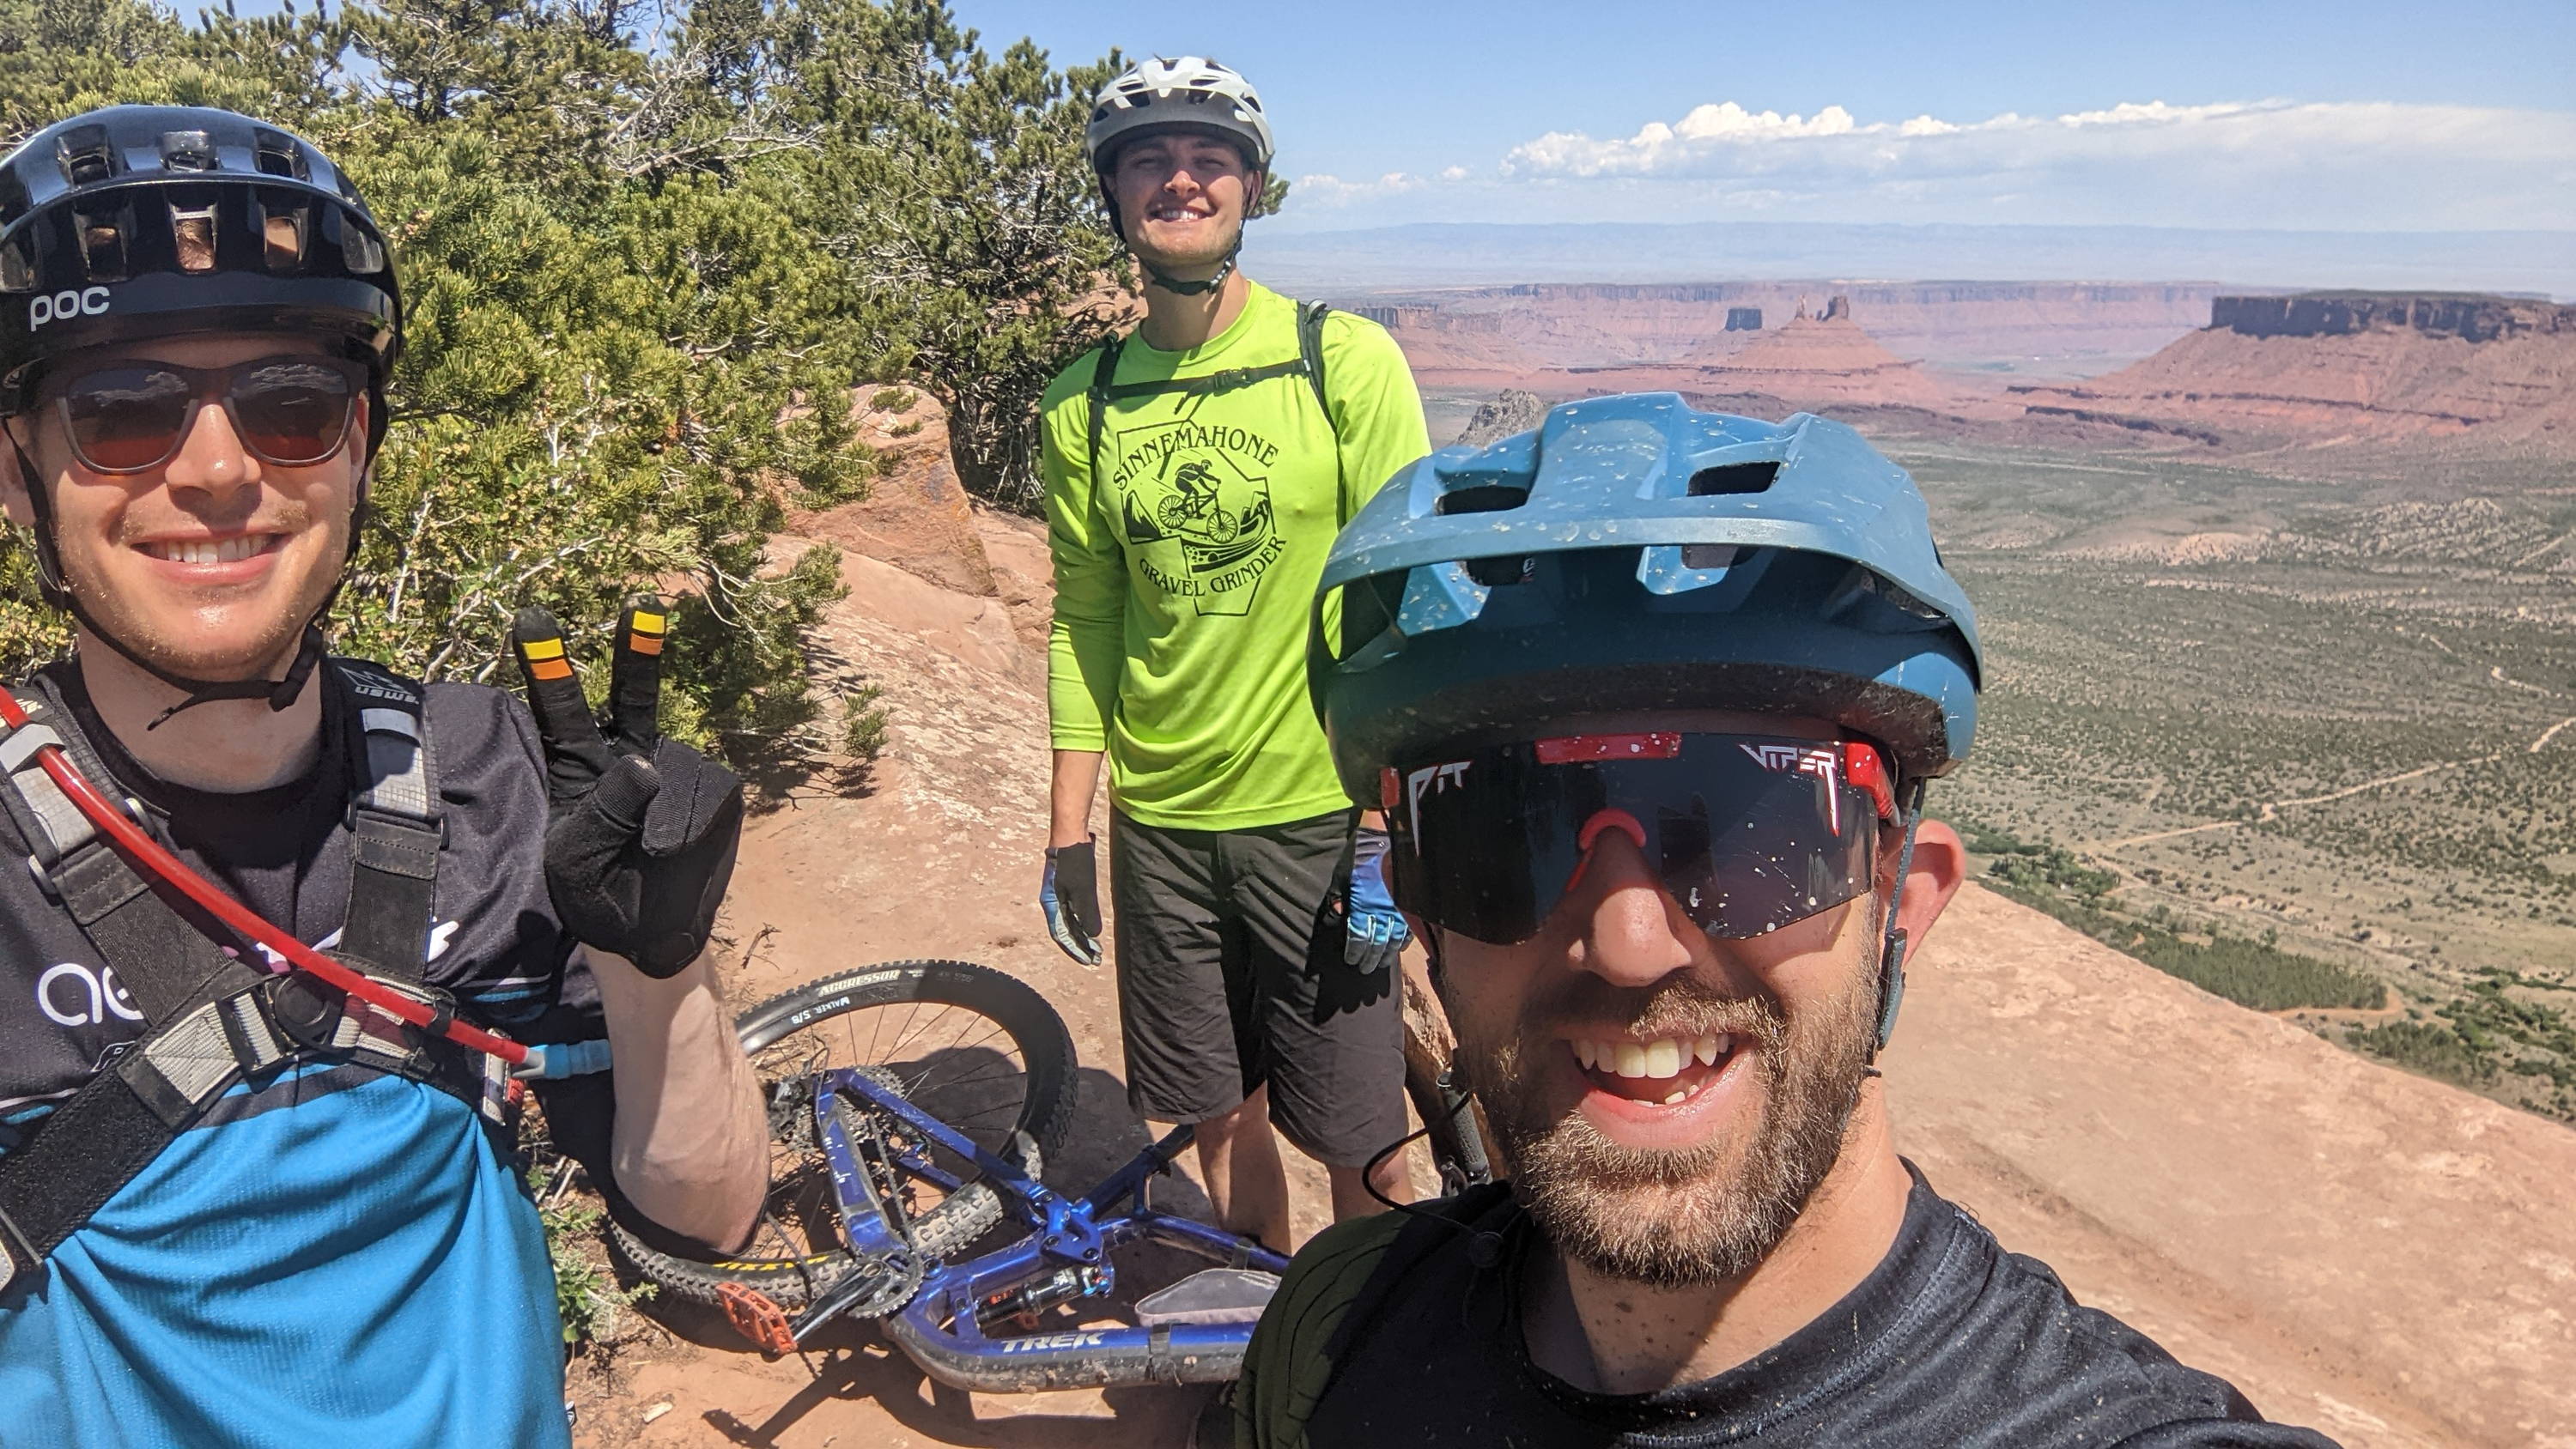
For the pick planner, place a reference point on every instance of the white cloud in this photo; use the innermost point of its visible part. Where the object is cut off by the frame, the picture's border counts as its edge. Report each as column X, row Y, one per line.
column 1322, row 188
column 2262, row 163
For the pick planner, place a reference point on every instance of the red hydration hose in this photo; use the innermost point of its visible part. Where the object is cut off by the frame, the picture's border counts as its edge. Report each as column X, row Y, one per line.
column 146, row 852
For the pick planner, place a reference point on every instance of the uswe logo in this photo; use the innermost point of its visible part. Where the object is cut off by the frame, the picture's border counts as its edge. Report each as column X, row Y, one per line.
column 73, row 995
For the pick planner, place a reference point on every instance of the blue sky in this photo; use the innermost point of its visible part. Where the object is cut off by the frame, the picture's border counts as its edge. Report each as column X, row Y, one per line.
column 2360, row 114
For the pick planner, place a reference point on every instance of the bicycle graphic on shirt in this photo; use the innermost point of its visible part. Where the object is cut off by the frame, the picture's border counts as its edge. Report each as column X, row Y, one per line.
column 1219, row 519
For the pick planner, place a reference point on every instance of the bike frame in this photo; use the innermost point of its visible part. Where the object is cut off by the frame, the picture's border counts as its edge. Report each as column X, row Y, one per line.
column 939, row 1326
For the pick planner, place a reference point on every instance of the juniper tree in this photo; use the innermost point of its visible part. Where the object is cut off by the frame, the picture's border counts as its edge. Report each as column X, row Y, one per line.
column 644, row 254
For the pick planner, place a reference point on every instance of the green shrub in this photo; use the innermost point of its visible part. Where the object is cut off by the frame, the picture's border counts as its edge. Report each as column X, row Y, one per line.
column 587, row 1298
column 864, row 724
column 2249, row 973
column 2434, row 1051
column 630, row 261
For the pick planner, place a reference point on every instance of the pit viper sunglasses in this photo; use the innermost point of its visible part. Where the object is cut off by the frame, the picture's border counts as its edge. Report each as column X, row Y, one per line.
column 132, row 416
column 1748, row 832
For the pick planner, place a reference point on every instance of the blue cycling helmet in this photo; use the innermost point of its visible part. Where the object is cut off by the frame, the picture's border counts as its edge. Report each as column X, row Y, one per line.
column 1633, row 554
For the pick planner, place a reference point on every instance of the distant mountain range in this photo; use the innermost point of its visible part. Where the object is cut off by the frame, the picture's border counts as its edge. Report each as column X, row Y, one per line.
column 1481, row 254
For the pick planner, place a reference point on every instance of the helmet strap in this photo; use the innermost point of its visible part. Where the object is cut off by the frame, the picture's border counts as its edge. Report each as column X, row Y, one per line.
column 1891, row 956
column 49, row 564
column 1185, row 288
column 1177, row 286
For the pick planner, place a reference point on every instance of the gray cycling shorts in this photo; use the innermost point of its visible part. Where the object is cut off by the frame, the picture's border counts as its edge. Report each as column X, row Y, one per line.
column 1230, row 975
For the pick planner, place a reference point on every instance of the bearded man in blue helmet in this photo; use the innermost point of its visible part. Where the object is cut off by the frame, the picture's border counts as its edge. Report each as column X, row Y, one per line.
column 1650, row 698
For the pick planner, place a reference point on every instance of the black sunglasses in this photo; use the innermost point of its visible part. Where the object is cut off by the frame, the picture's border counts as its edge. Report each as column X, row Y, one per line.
column 131, row 416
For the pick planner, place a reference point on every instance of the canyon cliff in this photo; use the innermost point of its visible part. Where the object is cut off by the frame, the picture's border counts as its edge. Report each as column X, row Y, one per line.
column 2469, row 374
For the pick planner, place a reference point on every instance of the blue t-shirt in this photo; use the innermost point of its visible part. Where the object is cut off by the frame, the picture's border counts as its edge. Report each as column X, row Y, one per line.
column 331, row 1254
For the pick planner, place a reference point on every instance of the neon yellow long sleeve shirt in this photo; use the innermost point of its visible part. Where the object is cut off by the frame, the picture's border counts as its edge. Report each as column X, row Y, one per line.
column 1185, row 571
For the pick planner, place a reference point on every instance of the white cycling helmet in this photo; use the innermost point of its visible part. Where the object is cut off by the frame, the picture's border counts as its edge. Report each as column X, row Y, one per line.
column 1193, row 94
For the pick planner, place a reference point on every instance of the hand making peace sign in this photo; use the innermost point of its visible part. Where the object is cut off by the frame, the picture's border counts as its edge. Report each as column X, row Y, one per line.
column 641, row 830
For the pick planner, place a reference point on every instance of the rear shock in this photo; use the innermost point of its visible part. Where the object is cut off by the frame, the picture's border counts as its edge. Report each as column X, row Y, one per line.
column 1023, row 1305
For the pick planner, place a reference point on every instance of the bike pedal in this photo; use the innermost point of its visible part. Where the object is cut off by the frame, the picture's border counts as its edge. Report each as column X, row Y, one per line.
column 756, row 1317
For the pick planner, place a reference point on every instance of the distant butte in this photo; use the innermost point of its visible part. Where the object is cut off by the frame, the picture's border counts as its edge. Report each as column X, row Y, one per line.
column 2461, row 372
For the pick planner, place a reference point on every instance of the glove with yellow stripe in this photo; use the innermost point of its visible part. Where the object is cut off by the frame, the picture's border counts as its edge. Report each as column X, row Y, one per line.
column 641, row 830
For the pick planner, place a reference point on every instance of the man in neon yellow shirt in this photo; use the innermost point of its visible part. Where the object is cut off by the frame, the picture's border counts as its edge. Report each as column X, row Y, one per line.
column 1196, row 473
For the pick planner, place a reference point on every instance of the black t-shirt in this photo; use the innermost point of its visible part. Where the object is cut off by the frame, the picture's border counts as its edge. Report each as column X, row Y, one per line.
column 284, row 852
column 1950, row 1341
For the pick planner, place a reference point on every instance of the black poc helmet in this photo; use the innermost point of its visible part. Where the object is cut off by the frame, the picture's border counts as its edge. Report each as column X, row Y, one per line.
column 135, row 222
column 149, row 221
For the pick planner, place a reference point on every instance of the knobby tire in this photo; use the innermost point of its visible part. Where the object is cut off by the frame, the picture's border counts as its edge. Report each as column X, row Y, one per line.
column 1013, row 1008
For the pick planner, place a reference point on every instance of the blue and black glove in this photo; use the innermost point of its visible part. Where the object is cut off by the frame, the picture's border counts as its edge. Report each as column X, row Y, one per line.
column 1376, row 927
column 1070, row 895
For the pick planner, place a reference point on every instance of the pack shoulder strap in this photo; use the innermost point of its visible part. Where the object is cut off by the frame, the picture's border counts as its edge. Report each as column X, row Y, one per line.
column 395, row 825
column 1106, row 389
column 1331, row 1291
column 1104, row 375
column 212, row 1020
column 1310, row 350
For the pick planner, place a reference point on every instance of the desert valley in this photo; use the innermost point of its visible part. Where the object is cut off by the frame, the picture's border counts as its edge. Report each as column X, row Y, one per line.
column 2260, row 1024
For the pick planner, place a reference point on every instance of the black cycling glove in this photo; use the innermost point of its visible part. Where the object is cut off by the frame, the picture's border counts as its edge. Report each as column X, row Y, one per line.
column 641, row 830
column 1069, row 893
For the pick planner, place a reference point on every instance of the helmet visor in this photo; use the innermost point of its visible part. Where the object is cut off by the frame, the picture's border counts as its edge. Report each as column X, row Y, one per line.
column 1748, row 832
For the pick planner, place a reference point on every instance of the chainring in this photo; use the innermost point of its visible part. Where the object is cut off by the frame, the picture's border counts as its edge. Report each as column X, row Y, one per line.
column 900, row 1278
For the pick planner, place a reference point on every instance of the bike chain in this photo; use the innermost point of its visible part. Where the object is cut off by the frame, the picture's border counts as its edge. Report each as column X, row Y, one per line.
column 902, row 1275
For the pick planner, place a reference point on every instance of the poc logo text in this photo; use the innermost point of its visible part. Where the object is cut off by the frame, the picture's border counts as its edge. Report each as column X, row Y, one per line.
column 63, row 306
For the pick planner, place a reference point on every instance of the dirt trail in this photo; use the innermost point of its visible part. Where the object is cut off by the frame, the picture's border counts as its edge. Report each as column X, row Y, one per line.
column 2271, row 809
column 2389, row 1259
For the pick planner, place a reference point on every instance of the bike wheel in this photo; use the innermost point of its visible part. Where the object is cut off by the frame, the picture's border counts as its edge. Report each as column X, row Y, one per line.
column 978, row 1050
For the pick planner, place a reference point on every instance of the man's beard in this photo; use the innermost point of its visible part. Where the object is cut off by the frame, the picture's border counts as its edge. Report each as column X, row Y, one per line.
column 1689, row 1217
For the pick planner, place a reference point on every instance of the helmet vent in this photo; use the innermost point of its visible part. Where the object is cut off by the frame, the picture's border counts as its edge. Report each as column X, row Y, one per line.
column 193, row 229
column 187, row 151
column 278, row 155
column 102, row 243
column 1481, row 498
column 1733, row 478
column 282, row 239
column 364, row 255
column 16, row 274
column 85, row 155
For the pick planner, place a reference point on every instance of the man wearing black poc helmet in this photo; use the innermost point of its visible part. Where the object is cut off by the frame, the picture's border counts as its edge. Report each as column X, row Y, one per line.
column 1650, row 698
column 241, row 1204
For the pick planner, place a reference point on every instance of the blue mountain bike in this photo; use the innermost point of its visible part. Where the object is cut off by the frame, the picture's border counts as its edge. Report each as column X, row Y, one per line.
column 911, row 1108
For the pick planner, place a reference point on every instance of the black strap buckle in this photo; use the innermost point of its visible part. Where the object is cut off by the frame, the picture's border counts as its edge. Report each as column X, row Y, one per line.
column 304, row 1009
